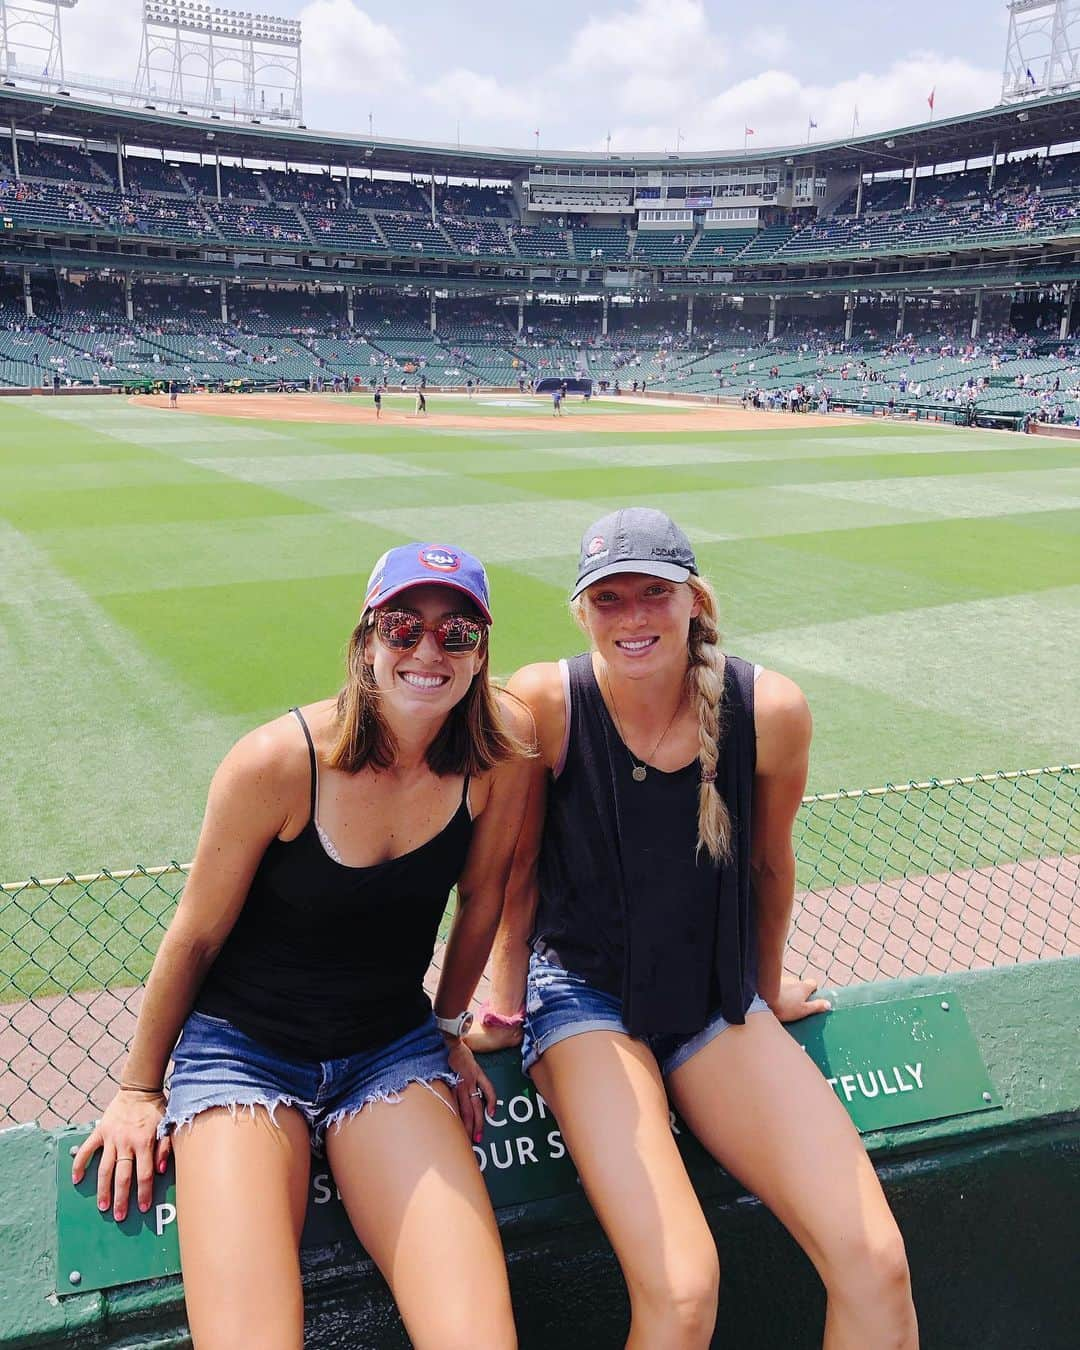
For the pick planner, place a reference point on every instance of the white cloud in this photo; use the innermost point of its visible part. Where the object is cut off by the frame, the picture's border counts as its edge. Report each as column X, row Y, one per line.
column 102, row 40
column 778, row 105
column 483, row 98
column 767, row 42
column 644, row 60
column 346, row 51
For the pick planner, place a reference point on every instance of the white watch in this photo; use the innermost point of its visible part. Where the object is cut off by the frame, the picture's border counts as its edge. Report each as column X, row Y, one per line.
column 455, row 1026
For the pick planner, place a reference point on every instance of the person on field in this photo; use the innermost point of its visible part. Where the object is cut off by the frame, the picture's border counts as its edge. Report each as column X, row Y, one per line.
column 640, row 954
column 421, row 402
column 172, row 393
column 378, row 403
column 293, row 974
column 556, row 401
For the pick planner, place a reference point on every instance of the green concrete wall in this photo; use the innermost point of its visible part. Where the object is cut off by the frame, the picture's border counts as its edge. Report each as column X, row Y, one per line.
column 989, row 1205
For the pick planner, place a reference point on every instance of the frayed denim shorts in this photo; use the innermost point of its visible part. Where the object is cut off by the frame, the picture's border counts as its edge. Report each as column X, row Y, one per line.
column 560, row 1004
column 215, row 1064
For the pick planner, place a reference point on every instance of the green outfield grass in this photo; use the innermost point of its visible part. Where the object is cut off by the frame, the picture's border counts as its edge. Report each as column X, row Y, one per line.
column 169, row 581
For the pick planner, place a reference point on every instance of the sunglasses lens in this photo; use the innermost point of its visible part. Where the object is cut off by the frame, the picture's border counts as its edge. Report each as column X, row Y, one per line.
column 399, row 630
column 459, row 635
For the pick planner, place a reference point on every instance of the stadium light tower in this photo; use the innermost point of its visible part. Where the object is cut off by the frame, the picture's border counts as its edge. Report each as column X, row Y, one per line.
column 31, row 48
column 1042, row 54
column 206, row 59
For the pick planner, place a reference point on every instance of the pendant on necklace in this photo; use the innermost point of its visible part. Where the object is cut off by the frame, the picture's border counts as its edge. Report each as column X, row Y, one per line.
column 638, row 773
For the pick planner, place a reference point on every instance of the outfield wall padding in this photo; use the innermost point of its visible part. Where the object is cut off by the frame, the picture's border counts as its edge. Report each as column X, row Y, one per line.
column 989, row 1204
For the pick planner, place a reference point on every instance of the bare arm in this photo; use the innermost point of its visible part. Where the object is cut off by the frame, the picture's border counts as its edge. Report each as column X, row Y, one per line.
column 784, row 730
column 483, row 880
column 540, row 688
column 248, row 804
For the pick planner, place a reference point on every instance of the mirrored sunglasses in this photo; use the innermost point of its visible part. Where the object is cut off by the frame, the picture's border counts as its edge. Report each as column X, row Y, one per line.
column 400, row 630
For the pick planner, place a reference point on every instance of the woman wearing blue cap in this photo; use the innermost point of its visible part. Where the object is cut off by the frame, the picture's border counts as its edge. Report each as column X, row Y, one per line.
column 293, row 972
column 642, row 940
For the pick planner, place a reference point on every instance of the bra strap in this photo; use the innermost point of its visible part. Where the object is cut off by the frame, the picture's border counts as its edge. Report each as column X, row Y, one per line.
column 314, row 761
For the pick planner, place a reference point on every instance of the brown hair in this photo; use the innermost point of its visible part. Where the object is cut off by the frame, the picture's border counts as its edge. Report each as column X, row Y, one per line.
column 705, row 684
column 472, row 740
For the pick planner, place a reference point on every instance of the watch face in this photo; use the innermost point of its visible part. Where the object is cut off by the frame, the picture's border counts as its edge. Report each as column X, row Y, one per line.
column 466, row 1022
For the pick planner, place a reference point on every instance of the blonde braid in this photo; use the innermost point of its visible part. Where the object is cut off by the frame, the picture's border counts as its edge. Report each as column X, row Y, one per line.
column 705, row 681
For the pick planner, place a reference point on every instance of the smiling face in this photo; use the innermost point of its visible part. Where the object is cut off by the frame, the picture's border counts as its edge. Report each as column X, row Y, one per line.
column 639, row 624
column 424, row 683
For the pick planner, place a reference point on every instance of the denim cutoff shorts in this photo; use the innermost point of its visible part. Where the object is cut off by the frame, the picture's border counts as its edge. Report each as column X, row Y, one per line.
column 560, row 1004
column 215, row 1064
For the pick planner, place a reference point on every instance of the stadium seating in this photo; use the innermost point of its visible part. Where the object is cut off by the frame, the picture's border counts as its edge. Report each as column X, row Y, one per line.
column 414, row 235
column 600, row 245
column 540, row 242
column 662, row 246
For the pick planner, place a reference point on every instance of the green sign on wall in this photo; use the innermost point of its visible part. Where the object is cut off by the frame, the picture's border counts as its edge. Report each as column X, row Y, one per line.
column 891, row 1064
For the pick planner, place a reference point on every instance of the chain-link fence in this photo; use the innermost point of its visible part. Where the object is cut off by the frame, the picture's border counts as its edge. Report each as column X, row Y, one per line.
column 951, row 874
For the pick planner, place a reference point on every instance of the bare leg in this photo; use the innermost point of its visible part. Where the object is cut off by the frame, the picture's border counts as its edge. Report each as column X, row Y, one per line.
column 413, row 1191
column 608, row 1097
column 762, row 1108
column 241, row 1193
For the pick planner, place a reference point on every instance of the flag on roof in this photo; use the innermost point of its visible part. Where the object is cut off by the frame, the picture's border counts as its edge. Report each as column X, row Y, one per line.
column 1031, row 77
column 812, row 122
column 748, row 131
column 930, row 98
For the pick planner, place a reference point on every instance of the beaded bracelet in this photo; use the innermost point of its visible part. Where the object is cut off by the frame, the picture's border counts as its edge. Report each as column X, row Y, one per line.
column 490, row 1018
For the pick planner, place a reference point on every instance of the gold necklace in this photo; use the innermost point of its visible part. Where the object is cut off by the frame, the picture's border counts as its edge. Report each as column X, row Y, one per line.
column 639, row 772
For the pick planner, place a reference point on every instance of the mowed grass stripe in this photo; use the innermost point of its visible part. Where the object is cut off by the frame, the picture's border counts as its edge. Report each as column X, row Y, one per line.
column 995, row 664
column 105, row 752
column 247, row 613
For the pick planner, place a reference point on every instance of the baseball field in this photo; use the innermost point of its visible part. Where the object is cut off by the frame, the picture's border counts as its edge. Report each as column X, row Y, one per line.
column 168, row 579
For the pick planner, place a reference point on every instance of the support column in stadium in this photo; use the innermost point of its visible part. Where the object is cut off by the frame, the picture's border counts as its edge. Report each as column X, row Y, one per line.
column 129, row 304
column 900, row 316
column 603, row 317
column 28, row 298
column 350, row 311
column 993, row 168
column 850, row 301
column 521, row 315
column 348, row 186
column 772, row 317
column 217, row 175
column 224, row 293
column 914, row 174
column 1066, row 313
column 858, row 196
column 976, row 318
column 689, row 316
column 433, row 198
column 432, row 318
column 120, row 163
column 14, row 151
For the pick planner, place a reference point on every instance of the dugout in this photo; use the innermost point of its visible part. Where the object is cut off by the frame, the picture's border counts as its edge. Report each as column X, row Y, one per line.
column 550, row 383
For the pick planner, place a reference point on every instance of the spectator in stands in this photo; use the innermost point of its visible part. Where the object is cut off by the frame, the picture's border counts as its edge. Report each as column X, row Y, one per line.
column 294, row 984
column 653, row 979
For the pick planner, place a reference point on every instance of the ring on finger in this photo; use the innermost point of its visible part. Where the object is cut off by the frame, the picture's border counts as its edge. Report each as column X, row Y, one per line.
column 126, row 1157
column 477, row 1092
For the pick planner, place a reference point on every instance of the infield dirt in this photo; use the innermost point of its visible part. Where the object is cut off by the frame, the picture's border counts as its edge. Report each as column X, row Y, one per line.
column 331, row 408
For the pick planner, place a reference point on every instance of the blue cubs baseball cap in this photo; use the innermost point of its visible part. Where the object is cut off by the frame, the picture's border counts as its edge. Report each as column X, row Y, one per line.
column 428, row 565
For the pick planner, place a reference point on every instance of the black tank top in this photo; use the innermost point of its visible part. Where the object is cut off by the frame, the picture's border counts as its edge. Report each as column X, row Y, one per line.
column 624, row 902
column 327, row 960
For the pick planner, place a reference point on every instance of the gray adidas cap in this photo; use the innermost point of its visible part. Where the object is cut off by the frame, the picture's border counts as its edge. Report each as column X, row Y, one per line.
column 635, row 539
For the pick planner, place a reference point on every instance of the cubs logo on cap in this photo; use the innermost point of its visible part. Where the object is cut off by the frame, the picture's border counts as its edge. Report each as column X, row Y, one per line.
column 428, row 565
column 440, row 559
column 595, row 546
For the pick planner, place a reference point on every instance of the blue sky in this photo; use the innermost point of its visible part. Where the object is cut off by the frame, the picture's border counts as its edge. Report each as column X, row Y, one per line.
column 652, row 73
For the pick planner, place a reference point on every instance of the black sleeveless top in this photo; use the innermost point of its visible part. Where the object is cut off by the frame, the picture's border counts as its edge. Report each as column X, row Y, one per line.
column 624, row 902
column 327, row 960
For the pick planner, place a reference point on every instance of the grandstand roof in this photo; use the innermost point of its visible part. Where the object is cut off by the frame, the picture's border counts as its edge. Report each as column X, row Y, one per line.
column 1014, row 127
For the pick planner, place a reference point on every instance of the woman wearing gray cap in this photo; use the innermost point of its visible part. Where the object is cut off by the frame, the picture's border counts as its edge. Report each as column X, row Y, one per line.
column 293, row 972
column 641, row 948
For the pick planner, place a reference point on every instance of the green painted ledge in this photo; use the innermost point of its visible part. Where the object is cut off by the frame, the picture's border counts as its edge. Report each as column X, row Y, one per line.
column 989, row 1205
